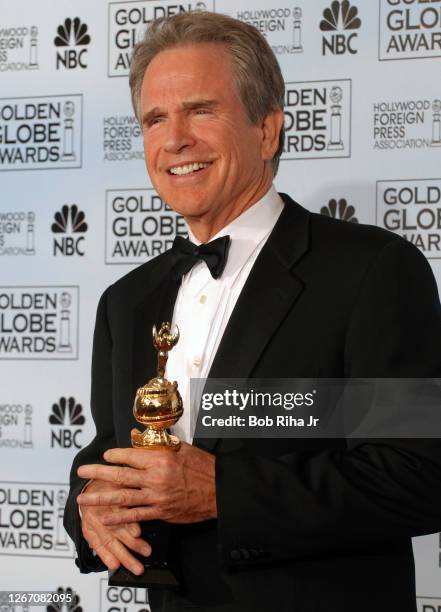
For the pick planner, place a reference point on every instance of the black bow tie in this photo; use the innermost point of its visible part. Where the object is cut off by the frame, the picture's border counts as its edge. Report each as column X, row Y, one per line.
column 188, row 254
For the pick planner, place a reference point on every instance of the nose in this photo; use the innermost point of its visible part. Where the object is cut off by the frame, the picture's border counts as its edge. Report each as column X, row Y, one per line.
column 178, row 136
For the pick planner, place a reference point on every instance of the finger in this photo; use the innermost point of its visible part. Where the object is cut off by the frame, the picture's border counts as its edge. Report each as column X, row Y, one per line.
column 94, row 541
column 109, row 560
column 137, row 544
column 118, row 549
column 185, row 447
column 135, row 529
column 121, row 497
column 106, row 544
column 132, row 515
column 132, row 457
column 102, row 540
column 123, row 476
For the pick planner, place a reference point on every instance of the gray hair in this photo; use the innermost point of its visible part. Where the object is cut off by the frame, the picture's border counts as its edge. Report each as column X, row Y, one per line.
column 258, row 78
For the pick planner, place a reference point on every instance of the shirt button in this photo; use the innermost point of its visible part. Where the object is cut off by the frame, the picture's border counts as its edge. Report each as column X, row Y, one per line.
column 202, row 299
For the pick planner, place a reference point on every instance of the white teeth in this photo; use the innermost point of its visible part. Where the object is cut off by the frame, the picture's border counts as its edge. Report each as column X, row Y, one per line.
column 188, row 169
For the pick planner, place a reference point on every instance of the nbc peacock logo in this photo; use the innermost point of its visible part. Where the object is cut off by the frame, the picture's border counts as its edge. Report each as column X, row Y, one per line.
column 72, row 40
column 66, row 417
column 342, row 17
column 65, row 600
column 339, row 209
column 72, row 33
column 69, row 220
column 67, row 412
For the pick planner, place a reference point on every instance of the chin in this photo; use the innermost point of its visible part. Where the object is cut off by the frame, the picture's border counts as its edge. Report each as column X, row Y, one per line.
column 185, row 204
column 190, row 212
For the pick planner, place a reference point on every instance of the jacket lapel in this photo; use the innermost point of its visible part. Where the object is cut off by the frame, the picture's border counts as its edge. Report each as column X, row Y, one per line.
column 267, row 296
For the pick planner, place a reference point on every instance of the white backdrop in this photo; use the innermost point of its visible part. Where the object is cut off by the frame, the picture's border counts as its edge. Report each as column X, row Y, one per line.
column 363, row 118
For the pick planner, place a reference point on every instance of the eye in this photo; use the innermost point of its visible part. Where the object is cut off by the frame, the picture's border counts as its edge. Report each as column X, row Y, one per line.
column 152, row 121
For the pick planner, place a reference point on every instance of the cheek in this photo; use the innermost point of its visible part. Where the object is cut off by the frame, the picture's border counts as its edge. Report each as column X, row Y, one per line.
column 150, row 159
column 244, row 144
column 151, row 145
column 244, row 155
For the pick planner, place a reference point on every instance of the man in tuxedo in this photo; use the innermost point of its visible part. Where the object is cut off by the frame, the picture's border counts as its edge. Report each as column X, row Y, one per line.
column 264, row 289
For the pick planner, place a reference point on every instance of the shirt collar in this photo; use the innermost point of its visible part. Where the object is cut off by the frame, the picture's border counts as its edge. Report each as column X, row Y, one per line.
column 248, row 230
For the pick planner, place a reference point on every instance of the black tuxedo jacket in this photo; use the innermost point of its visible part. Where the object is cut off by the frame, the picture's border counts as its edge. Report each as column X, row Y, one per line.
column 302, row 525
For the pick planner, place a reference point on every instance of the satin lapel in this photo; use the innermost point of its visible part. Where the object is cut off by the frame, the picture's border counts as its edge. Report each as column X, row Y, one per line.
column 268, row 295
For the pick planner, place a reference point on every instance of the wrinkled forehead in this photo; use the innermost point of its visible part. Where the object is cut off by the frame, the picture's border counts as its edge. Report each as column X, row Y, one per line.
column 188, row 72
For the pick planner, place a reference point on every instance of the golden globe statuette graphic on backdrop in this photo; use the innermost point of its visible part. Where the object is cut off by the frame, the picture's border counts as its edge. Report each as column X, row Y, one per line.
column 157, row 406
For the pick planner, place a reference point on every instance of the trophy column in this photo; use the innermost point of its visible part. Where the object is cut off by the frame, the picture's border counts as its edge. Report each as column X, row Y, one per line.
column 436, row 124
column 335, row 142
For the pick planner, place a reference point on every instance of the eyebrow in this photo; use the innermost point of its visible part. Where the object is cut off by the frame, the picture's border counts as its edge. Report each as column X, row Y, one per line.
column 189, row 105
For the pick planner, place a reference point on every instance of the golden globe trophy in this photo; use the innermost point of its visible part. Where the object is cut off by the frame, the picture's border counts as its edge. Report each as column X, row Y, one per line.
column 157, row 406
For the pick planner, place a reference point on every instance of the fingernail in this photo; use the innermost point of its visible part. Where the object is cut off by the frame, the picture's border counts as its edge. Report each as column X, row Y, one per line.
column 137, row 569
column 146, row 551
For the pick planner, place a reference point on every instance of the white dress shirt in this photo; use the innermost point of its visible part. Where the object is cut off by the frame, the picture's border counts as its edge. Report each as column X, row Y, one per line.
column 204, row 304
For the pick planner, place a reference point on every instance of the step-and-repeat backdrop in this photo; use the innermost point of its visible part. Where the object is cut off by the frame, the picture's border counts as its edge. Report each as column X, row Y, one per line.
column 77, row 211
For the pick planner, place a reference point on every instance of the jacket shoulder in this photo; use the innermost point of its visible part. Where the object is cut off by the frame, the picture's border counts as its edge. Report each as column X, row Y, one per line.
column 133, row 285
column 332, row 239
column 343, row 249
column 358, row 237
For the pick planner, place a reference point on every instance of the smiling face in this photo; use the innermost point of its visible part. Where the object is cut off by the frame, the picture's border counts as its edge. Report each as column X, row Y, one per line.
column 204, row 157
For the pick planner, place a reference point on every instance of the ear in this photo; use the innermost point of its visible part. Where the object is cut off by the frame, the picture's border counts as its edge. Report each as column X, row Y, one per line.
column 271, row 125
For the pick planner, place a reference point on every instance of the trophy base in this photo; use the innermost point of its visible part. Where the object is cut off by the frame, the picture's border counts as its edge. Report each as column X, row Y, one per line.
column 64, row 348
column 155, row 439
column 154, row 577
column 335, row 146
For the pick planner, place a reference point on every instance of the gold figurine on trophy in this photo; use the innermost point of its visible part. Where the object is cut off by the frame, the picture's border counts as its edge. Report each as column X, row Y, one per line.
column 158, row 404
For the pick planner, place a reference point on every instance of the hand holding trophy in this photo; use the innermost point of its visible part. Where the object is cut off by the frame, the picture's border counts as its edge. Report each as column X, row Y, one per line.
column 157, row 406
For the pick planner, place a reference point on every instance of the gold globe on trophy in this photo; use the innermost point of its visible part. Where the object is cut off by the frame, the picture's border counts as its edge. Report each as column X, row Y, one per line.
column 158, row 404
